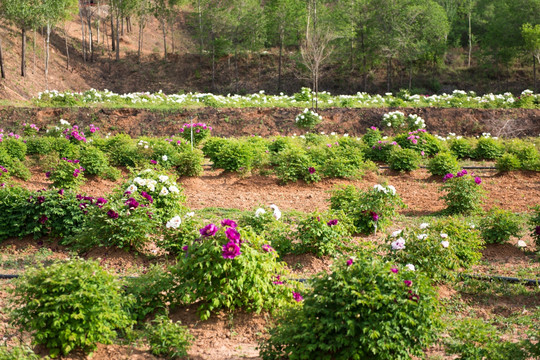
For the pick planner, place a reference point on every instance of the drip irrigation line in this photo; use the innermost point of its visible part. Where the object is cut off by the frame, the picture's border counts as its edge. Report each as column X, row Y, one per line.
column 490, row 278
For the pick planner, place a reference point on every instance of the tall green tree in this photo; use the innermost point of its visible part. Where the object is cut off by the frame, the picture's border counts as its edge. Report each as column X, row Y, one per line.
column 531, row 37
column 163, row 10
column 285, row 22
column 26, row 16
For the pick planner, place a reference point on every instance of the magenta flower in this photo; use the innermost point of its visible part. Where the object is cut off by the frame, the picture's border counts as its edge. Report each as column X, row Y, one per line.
column 394, row 270
column 43, row 219
column 448, row 176
column 61, row 191
column 332, row 222
column 277, row 281
column 132, row 203
column 349, row 262
column 477, row 180
column 232, row 235
column 297, row 297
column 407, row 283
column 100, row 202
column 374, row 215
column 311, row 170
column 231, row 250
column 147, row 196
column 41, row 199
column 537, row 230
column 153, row 162
column 48, row 174
column 112, row 214
column 414, row 297
column 267, row 248
column 209, row 230
column 228, row 222
column 185, row 248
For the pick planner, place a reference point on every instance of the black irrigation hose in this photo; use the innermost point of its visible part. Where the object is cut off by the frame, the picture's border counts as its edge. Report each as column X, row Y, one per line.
column 489, row 278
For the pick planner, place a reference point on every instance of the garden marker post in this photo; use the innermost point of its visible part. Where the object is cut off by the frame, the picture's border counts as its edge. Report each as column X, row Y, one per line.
column 191, row 134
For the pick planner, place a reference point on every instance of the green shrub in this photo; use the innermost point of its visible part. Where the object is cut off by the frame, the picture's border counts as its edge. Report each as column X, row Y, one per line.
column 111, row 173
column 342, row 162
column 230, row 268
column 437, row 250
column 372, row 136
column 420, row 141
column 394, row 120
column 526, row 153
column 404, row 160
column 488, row 148
column 212, row 147
column 308, row 119
column 93, row 160
column 68, row 306
column 498, row 225
column 534, row 222
column 180, row 231
column 19, row 353
column 461, row 148
column 323, row 234
column 234, row 156
column 508, row 162
column 67, row 174
column 293, row 164
column 463, row 193
column 200, row 132
column 189, row 163
column 168, row 338
column 370, row 210
column 474, row 339
column 442, row 164
column 381, row 150
column 261, row 219
column 164, row 153
column 15, row 208
column 364, row 309
column 38, row 145
column 19, row 170
column 16, row 148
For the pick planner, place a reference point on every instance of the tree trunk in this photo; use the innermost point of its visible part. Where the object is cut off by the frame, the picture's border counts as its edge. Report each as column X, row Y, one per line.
column 113, row 46
column 23, row 56
column 164, row 27
column 213, row 63
column 534, row 74
column 364, row 61
column 117, row 38
column 141, row 27
column 410, row 77
column 47, row 54
column 388, row 74
column 122, row 27
column 2, row 72
column 83, row 42
column 236, row 68
column 200, row 27
column 470, row 38
column 280, row 63
column 90, row 39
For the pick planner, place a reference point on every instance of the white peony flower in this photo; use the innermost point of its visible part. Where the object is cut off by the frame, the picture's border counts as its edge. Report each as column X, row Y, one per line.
column 521, row 244
column 422, row 236
column 399, row 244
column 174, row 189
column 410, row 267
column 396, row 233
column 190, row 214
column 392, row 189
column 164, row 191
column 445, row 244
column 132, row 188
column 174, row 222
column 444, row 236
column 259, row 212
column 277, row 213
column 163, row 178
column 424, row 225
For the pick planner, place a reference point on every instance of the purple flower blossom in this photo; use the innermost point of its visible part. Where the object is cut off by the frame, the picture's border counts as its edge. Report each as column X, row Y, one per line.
column 147, row 196
column 230, row 250
column 232, row 235
column 41, row 199
column 537, row 230
column 209, row 230
column 132, row 203
column 477, row 180
column 61, row 191
column 394, row 270
column 267, row 248
column 448, row 176
column 350, row 262
column 185, row 248
column 414, row 297
column 407, row 283
column 100, row 202
column 153, row 162
column 374, row 215
column 311, row 170
column 228, row 222
column 332, row 222
column 112, row 214
column 48, row 174
column 297, row 297
column 43, row 219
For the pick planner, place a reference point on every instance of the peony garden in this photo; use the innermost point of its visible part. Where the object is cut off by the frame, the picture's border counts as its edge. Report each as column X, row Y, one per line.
column 392, row 243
